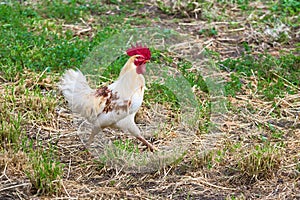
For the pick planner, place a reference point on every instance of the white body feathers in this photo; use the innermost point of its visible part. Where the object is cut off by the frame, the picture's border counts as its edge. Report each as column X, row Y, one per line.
column 115, row 105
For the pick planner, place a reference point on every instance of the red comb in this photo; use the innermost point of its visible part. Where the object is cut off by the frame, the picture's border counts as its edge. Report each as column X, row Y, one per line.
column 139, row 50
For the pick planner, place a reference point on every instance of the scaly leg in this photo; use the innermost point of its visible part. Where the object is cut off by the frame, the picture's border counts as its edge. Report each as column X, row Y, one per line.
column 144, row 141
column 95, row 130
column 129, row 124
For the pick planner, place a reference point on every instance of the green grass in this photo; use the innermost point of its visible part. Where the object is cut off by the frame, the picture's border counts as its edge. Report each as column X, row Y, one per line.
column 234, row 86
column 203, row 160
column 166, row 88
column 10, row 129
column 69, row 11
column 31, row 39
column 248, row 163
column 275, row 76
column 126, row 145
column 208, row 32
column 26, row 47
column 286, row 7
column 260, row 162
column 44, row 170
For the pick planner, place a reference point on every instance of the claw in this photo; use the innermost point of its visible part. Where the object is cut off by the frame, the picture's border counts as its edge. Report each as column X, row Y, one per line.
column 149, row 145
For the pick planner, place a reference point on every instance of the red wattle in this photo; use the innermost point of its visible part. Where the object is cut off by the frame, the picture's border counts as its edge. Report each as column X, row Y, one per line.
column 141, row 69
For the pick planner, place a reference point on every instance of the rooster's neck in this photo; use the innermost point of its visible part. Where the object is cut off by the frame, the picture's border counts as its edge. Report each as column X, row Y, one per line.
column 128, row 66
column 129, row 82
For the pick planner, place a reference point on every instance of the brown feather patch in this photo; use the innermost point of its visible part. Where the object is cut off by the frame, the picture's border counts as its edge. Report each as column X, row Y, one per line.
column 111, row 100
column 103, row 92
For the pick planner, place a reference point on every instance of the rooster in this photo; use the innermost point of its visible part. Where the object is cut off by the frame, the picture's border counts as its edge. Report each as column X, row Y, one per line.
column 114, row 105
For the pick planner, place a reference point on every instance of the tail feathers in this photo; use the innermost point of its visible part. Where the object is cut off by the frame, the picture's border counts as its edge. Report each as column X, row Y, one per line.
column 78, row 93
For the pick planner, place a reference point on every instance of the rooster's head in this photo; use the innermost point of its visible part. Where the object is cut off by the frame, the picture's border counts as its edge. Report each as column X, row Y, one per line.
column 142, row 55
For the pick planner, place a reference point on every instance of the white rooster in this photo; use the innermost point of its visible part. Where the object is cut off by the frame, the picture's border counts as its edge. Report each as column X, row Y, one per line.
column 114, row 105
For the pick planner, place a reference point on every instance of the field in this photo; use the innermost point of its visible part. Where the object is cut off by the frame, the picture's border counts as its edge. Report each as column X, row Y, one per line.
column 222, row 103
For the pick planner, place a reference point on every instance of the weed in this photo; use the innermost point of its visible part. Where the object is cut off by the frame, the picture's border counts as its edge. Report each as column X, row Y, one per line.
column 208, row 32
column 286, row 7
column 233, row 86
column 258, row 163
column 10, row 130
column 275, row 133
column 44, row 171
column 11, row 122
column 203, row 160
column 126, row 145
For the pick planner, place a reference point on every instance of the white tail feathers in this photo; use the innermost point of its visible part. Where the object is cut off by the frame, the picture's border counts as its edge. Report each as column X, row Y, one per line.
column 76, row 91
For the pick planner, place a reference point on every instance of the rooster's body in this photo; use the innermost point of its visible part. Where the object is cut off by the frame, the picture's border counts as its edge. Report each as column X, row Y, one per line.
column 109, row 106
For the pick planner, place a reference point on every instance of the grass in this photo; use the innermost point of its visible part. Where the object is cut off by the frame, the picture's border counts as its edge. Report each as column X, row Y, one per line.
column 253, row 144
column 276, row 76
column 44, row 171
column 126, row 145
column 258, row 163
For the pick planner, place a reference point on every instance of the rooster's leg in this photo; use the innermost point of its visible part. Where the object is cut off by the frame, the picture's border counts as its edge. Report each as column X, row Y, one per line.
column 128, row 124
column 95, row 130
column 144, row 141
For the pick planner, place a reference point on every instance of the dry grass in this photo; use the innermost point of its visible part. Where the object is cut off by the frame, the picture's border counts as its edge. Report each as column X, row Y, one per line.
column 214, row 165
column 252, row 153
